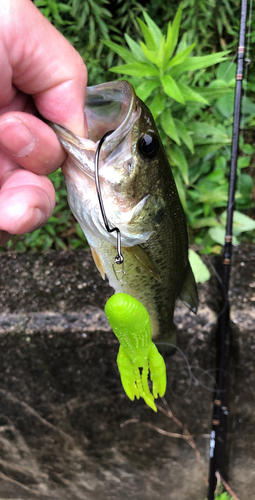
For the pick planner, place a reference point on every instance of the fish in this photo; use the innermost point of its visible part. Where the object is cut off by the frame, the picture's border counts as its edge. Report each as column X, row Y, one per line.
column 140, row 198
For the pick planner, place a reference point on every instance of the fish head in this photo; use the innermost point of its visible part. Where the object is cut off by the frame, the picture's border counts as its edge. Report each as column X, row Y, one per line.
column 130, row 165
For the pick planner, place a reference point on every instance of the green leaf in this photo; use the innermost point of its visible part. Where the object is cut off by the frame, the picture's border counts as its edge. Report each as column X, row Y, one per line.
column 248, row 149
column 210, row 193
column 200, row 270
column 135, row 49
column 205, row 222
column 169, row 46
column 149, row 54
column 244, row 188
column 218, row 235
column 135, row 69
column 246, row 183
column 176, row 25
column 248, row 107
column 217, row 175
column 63, row 7
column 206, row 151
column 50, row 229
column 154, row 29
column 145, row 89
column 221, row 163
column 184, row 134
column 161, row 53
column 180, row 57
column 121, row 51
column 226, row 71
column 241, row 222
column 243, row 161
column 80, row 232
column 182, row 45
column 60, row 243
column 199, row 62
column 181, row 189
column 212, row 93
column 168, row 125
column 148, row 36
column 171, row 88
column 204, row 133
column 218, row 84
column 157, row 105
column 190, row 94
column 225, row 105
column 177, row 158
column 47, row 242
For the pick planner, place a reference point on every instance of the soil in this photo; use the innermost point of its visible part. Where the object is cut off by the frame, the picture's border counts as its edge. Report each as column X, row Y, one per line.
column 67, row 429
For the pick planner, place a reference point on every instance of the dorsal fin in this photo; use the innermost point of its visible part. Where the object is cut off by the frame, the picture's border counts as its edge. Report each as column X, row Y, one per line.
column 188, row 293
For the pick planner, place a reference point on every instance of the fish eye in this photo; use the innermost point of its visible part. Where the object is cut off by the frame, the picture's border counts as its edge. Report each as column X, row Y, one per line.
column 148, row 146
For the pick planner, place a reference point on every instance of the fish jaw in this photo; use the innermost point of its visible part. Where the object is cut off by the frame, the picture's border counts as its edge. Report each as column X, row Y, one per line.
column 83, row 201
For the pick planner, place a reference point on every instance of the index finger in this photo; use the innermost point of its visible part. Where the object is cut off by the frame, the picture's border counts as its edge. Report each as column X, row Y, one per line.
column 43, row 64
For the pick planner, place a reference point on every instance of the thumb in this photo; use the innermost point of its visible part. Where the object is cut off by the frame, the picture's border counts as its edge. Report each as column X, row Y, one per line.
column 44, row 65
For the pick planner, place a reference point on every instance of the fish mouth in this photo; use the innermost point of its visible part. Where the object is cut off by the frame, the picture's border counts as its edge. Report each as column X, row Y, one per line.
column 109, row 108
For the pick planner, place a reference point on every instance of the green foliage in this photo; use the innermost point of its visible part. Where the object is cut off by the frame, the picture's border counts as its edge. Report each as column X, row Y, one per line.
column 222, row 496
column 194, row 121
column 200, row 270
column 211, row 24
column 165, row 67
column 85, row 22
column 209, row 171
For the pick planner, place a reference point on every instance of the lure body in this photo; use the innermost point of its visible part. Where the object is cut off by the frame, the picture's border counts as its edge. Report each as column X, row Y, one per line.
column 137, row 355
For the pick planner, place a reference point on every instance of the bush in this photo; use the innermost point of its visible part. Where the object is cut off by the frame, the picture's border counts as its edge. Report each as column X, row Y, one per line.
column 192, row 102
column 195, row 123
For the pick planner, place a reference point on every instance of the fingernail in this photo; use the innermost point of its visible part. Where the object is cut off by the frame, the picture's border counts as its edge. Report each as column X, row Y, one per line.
column 16, row 137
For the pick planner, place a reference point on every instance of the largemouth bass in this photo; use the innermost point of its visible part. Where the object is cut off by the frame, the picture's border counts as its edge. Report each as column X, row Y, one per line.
column 140, row 198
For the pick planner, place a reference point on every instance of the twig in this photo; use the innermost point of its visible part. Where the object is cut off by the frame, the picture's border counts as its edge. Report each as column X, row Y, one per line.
column 226, row 486
column 217, row 488
column 186, row 434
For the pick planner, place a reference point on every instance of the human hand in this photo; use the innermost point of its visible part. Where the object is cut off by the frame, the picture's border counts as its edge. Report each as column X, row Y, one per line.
column 40, row 72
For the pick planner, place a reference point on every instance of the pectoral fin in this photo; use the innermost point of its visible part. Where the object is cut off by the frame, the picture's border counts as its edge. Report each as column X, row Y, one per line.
column 188, row 293
column 98, row 262
column 139, row 255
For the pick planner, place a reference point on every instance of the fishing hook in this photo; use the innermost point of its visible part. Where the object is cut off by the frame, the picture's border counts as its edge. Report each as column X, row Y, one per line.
column 119, row 259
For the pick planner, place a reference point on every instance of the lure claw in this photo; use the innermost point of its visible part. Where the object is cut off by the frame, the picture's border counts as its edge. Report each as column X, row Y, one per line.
column 158, row 372
column 127, row 375
column 138, row 355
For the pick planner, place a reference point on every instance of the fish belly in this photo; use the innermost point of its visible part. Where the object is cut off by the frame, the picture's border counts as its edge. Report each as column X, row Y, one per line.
column 158, row 297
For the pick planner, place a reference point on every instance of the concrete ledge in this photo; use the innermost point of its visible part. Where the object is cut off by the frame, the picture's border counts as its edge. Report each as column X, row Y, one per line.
column 50, row 322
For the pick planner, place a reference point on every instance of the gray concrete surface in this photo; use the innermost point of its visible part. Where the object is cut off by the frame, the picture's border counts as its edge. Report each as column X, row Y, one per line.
column 67, row 430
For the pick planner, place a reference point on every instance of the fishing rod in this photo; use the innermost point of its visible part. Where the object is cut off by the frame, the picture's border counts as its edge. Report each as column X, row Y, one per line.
column 220, row 410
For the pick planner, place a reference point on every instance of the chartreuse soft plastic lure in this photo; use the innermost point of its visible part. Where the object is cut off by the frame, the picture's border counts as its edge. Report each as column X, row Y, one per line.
column 138, row 355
